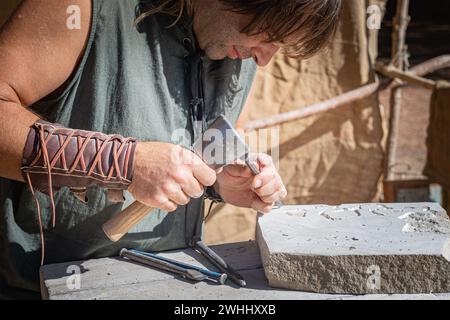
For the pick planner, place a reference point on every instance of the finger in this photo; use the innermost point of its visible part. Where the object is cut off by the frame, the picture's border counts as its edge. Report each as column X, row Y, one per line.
column 204, row 174
column 174, row 193
column 169, row 206
column 265, row 160
column 270, row 186
column 236, row 182
column 273, row 191
column 277, row 196
column 189, row 185
column 218, row 171
column 263, row 179
column 264, row 165
column 236, row 170
column 192, row 188
column 261, row 206
column 200, row 170
column 163, row 203
column 261, row 159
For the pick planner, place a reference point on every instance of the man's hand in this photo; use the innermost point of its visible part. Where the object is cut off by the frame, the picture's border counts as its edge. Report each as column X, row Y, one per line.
column 167, row 175
column 237, row 185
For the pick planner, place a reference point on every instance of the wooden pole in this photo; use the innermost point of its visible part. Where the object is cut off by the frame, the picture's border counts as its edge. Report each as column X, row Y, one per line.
column 420, row 70
column 327, row 105
column 398, row 59
column 392, row 72
column 431, row 66
column 400, row 26
column 446, row 200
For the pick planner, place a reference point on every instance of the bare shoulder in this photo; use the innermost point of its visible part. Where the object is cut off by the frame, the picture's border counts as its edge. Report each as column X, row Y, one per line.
column 41, row 44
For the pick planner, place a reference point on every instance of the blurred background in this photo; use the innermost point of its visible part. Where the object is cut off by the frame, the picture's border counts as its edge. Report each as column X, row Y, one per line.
column 345, row 155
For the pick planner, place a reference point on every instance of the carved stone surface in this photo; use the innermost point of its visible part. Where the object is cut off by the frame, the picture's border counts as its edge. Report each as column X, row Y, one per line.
column 357, row 248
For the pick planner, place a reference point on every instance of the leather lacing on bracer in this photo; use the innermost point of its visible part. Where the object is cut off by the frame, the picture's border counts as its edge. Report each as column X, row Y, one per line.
column 119, row 144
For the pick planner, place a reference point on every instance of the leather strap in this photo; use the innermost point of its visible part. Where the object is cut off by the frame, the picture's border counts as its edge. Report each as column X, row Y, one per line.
column 56, row 157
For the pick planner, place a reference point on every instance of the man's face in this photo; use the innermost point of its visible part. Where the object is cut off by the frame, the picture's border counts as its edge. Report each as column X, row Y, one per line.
column 218, row 34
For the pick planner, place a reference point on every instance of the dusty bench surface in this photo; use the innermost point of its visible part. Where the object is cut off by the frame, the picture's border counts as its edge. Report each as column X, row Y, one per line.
column 114, row 278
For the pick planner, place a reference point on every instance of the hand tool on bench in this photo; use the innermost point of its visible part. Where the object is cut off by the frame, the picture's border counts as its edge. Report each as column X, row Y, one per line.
column 219, row 262
column 185, row 270
column 220, row 137
column 219, row 277
column 190, row 274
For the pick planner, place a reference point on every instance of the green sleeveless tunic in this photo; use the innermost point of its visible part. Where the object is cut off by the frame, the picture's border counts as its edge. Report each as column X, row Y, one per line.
column 132, row 81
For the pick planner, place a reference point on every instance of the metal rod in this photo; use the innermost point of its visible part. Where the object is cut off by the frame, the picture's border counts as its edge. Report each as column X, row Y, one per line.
column 220, row 277
column 220, row 263
column 164, row 265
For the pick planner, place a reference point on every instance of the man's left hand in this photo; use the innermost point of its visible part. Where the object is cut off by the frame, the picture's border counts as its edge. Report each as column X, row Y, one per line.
column 237, row 185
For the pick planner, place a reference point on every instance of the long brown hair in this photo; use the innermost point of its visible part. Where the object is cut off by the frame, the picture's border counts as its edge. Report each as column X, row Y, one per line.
column 303, row 27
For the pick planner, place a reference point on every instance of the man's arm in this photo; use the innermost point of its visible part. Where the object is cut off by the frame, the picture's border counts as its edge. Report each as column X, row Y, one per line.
column 38, row 54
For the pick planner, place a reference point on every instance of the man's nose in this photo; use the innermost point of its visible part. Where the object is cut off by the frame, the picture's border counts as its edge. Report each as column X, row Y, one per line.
column 262, row 55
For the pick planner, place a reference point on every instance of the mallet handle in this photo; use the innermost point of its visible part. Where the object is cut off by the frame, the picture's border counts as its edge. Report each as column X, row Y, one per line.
column 119, row 225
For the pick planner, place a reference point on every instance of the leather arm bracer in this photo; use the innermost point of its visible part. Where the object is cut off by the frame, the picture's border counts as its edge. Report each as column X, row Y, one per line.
column 56, row 157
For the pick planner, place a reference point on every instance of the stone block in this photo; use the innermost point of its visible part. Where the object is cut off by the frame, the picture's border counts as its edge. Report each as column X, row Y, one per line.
column 357, row 248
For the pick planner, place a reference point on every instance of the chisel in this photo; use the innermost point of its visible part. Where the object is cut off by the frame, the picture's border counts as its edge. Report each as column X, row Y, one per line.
column 219, row 263
column 219, row 277
column 190, row 274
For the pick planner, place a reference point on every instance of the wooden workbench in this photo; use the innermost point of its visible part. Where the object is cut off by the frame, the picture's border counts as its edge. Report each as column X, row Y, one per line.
column 114, row 278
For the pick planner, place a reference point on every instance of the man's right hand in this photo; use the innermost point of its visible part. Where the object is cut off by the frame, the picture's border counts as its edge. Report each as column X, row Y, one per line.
column 166, row 175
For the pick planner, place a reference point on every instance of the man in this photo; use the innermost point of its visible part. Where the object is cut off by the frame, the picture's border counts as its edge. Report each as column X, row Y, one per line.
column 140, row 69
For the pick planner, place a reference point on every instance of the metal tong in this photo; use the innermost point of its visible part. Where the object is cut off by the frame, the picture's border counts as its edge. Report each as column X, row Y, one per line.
column 215, row 259
column 185, row 270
